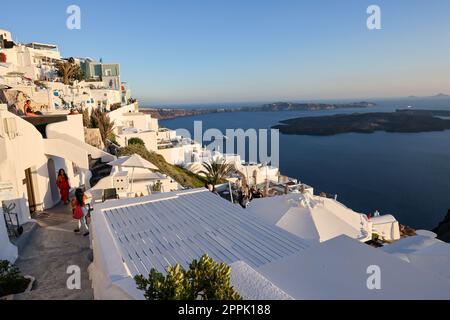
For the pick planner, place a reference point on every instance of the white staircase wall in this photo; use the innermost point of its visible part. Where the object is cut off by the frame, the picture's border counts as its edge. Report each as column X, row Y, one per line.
column 8, row 251
column 72, row 131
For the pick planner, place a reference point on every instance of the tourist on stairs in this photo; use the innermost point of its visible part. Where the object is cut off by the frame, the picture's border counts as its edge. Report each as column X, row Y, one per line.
column 80, row 211
column 63, row 185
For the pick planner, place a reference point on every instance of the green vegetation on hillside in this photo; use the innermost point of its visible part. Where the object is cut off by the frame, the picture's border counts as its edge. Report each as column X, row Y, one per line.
column 136, row 141
column 182, row 176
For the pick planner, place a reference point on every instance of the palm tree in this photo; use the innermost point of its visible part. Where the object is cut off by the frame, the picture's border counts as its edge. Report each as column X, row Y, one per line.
column 68, row 70
column 101, row 121
column 217, row 171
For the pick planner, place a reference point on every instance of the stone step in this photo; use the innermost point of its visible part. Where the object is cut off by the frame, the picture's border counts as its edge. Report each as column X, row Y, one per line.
column 22, row 241
column 51, row 249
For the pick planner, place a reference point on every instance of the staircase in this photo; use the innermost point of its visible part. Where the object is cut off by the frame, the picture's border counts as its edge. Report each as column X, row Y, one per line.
column 99, row 170
column 53, row 247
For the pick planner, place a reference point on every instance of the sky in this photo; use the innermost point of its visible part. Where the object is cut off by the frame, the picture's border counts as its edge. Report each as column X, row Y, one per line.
column 206, row 51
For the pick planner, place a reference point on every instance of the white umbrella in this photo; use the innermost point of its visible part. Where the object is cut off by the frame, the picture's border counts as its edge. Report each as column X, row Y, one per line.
column 134, row 161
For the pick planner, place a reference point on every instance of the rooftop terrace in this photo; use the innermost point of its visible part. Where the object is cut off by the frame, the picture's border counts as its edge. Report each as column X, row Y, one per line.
column 180, row 227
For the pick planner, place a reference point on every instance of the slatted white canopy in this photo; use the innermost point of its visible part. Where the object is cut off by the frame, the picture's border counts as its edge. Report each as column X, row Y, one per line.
column 179, row 227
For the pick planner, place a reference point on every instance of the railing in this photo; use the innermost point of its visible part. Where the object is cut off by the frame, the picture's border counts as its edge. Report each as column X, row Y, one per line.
column 14, row 228
column 112, row 147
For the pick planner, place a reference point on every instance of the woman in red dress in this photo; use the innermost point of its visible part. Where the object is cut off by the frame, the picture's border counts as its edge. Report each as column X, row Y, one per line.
column 63, row 184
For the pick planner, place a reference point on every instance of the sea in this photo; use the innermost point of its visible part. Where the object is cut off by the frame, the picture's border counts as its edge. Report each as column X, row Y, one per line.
column 403, row 174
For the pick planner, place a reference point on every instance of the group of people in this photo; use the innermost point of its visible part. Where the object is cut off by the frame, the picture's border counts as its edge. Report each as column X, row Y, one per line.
column 80, row 207
column 246, row 195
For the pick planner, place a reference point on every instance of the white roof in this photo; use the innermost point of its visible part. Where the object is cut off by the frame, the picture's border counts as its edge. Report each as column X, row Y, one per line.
column 337, row 269
column 252, row 285
column 387, row 218
column 312, row 218
column 131, row 236
column 133, row 161
column 142, row 176
column 423, row 252
column 177, row 227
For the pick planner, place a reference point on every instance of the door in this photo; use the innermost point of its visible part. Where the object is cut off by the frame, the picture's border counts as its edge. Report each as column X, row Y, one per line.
column 30, row 190
column 52, row 180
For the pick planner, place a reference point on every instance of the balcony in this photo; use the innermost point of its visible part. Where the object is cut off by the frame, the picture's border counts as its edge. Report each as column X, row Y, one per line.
column 41, row 122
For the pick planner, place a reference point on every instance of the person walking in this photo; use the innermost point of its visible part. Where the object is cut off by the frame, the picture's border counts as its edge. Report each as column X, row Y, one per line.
column 80, row 211
column 63, row 185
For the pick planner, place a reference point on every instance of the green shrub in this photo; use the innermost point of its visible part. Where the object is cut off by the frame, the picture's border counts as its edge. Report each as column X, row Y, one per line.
column 11, row 280
column 136, row 141
column 205, row 279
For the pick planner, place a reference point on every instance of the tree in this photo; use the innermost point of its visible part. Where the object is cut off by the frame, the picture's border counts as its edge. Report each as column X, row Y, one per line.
column 217, row 171
column 86, row 119
column 101, row 121
column 132, row 141
column 205, row 279
column 69, row 71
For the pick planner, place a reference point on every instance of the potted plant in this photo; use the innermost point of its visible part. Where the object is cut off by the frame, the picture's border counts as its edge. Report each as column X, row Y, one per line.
column 157, row 187
column 12, row 281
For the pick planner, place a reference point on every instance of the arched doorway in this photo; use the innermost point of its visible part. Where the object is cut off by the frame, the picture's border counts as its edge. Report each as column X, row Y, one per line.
column 52, row 179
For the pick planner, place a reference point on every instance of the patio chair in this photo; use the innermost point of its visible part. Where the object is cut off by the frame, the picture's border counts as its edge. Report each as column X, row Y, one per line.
column 14, row 229
column 109, row 194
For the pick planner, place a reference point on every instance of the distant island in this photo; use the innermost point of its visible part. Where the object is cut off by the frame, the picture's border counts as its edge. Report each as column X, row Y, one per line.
column 398, row 121
column 439, row 96
column 170, row 113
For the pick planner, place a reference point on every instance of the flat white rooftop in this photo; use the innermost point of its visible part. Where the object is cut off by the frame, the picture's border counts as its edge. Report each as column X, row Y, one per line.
column 338, row 269
column 171, row 228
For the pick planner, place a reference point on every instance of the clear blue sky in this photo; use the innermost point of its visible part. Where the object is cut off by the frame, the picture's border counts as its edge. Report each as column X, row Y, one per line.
column 252, row 50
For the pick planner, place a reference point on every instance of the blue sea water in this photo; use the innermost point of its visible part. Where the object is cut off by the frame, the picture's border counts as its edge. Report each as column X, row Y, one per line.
column 404, row 174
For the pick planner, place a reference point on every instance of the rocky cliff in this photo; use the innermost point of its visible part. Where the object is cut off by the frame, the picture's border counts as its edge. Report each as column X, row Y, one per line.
column 443, row 229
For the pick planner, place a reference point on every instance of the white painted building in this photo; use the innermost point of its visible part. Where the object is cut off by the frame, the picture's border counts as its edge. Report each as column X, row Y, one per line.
column 129, row 183
column 30, row 159
column 36, row 61
column 130, row 123
column 178, row 151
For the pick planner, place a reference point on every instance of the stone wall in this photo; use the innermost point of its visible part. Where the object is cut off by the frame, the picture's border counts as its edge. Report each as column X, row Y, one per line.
column 92, row 136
